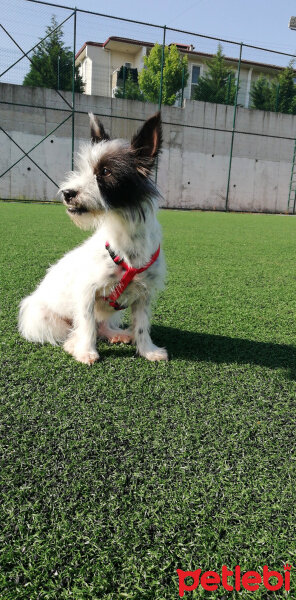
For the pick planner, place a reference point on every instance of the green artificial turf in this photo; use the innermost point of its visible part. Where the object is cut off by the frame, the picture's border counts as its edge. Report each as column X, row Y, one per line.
column 114, row 476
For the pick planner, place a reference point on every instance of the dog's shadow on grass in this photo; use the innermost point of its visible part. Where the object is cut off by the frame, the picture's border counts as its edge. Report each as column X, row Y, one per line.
column 222, row 349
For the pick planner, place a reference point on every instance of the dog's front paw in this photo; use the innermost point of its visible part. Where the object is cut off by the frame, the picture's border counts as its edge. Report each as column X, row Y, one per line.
column 157, row 354
column 88, row 358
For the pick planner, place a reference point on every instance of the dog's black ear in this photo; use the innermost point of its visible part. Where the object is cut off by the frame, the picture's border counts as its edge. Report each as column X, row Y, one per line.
column 97, row 130
column 147, row 141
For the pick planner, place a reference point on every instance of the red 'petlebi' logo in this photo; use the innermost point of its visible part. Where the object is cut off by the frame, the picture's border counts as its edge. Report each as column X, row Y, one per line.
column 250, row 581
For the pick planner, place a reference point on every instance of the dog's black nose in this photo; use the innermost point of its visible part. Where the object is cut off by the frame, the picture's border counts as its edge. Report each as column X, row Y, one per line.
column 69, row 194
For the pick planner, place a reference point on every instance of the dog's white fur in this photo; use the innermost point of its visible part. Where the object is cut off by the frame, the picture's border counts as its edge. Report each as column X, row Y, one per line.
column 68, row 307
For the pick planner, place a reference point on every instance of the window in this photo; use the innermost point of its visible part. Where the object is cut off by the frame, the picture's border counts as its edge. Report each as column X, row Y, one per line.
column 195, row 73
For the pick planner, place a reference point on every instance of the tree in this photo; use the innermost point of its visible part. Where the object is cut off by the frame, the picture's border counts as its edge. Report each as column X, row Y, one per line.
column 175, row 74
column 286, row 90
column 261, row 94
column 278, row 95
column 129, row 90
column 218, row 84
column 52, row 63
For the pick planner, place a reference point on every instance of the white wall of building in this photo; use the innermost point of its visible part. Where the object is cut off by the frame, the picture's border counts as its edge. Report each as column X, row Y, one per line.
column 97, row 65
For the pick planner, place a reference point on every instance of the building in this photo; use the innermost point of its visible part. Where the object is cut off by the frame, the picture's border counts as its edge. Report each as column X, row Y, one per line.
column 101, row 66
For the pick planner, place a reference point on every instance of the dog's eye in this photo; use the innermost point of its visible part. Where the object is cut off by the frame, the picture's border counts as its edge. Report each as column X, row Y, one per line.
column 106, row 172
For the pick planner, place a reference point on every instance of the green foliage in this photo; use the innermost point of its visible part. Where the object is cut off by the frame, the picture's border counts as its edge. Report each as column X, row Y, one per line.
column 287, row 90
column 277, row 95
column 261, row 93
column 175, row 71
column 218, row 84
column 52, row 63
column 130, row 90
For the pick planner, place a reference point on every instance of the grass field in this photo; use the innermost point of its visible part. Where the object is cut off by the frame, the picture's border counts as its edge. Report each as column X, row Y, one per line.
column 115, row 475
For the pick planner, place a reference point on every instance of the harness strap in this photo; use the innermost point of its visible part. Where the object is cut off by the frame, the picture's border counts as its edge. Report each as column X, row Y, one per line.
column 127, row 277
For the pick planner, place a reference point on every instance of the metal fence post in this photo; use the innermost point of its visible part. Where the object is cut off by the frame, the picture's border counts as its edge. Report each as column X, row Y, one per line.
column 182, row 92
column 73, row 87
column 124, row 80
column 228, row 88
column 162, row 66
column 233, row 126
column 292, row 181
column 59, row 58
column 276, row 108
column 160, row 89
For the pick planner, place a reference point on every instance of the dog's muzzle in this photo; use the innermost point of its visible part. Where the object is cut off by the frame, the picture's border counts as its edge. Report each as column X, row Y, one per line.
column 72, row 207
column 69, row 195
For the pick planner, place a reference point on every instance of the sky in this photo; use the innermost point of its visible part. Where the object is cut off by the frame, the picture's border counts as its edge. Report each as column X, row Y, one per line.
column 258, row 22
column 261, row 23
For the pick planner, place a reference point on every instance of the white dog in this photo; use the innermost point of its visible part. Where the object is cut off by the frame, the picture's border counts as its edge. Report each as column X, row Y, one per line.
column 121, row 265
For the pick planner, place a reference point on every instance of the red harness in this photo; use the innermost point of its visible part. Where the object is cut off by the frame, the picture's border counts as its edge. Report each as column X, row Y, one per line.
column 127, row 277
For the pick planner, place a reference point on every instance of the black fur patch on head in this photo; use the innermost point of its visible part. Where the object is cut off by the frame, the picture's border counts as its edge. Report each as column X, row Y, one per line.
column 121, row 184
column 123, row 175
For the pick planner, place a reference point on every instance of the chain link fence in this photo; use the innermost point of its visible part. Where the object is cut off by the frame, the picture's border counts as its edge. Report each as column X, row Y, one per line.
column 241, row 154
